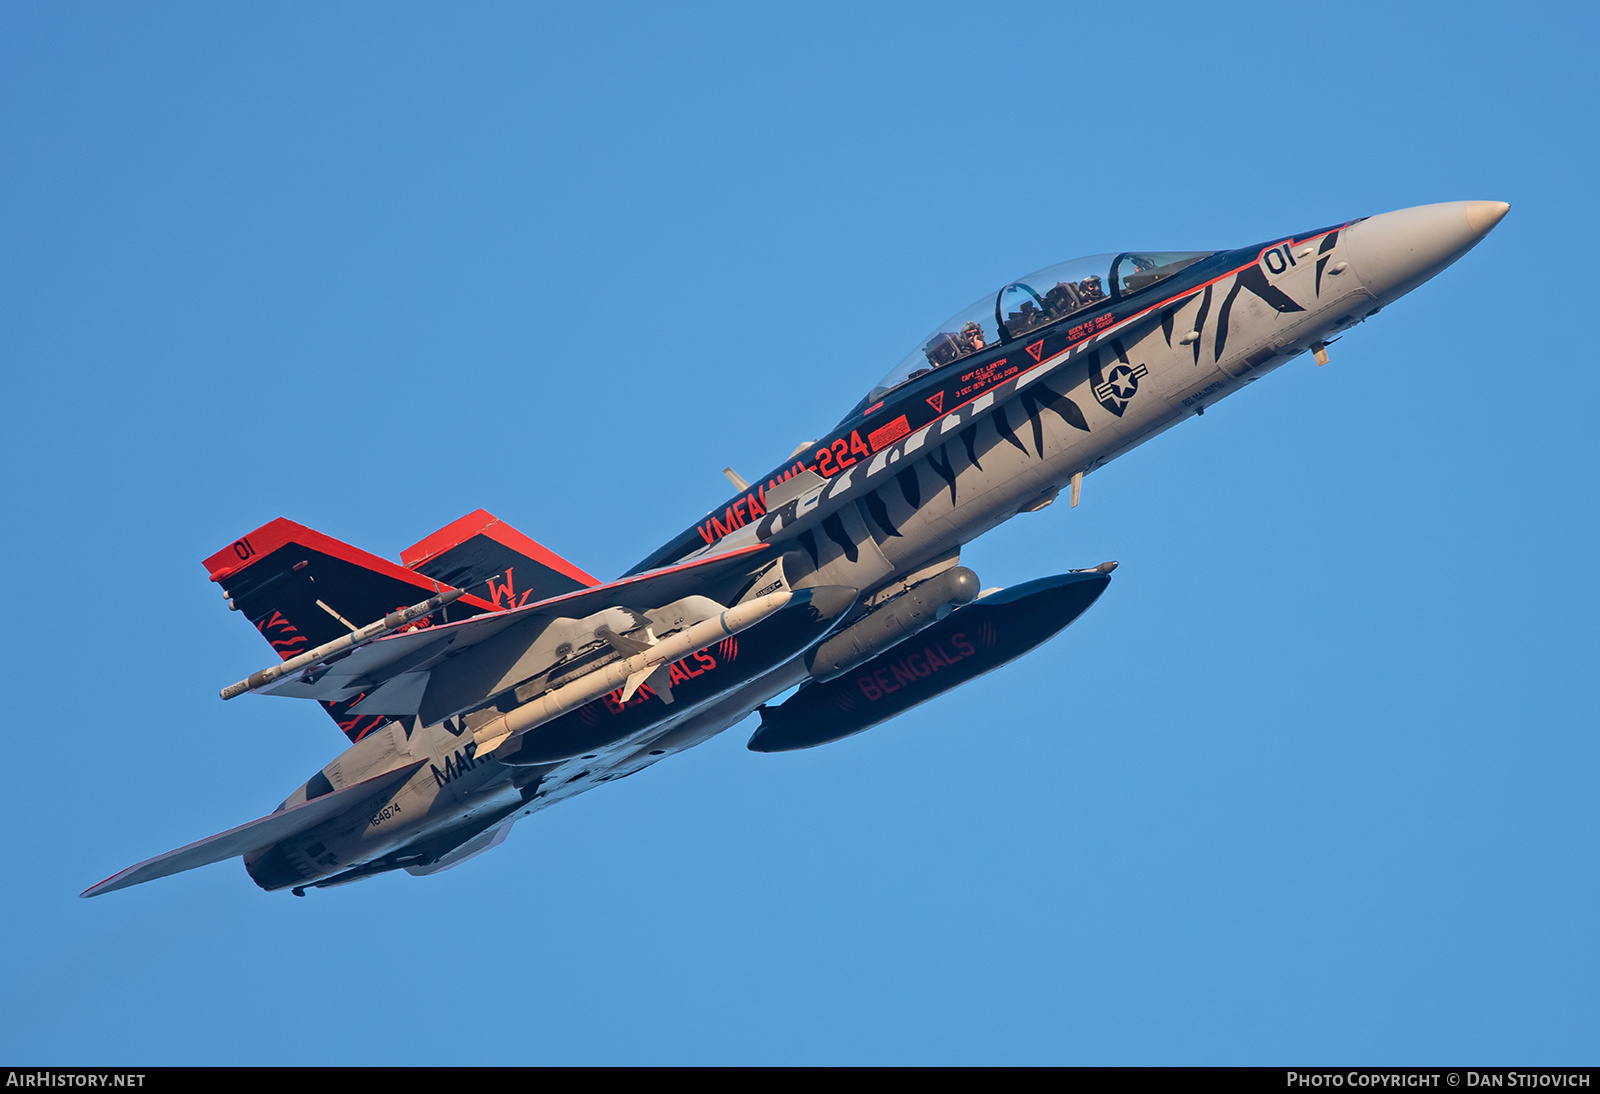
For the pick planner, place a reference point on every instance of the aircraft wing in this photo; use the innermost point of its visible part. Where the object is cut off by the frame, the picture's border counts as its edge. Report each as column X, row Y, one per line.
column 398, row 663
column 258, row 833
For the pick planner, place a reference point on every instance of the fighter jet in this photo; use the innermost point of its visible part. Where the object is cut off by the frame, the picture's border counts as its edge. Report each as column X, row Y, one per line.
column 482, row 677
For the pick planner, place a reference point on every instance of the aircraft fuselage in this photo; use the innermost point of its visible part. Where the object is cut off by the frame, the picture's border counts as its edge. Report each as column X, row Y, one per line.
column 884, row 500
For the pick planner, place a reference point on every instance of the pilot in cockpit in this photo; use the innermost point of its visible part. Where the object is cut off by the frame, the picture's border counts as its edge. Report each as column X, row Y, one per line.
column 971, row 339
column 947, row 346
column 1090, row 290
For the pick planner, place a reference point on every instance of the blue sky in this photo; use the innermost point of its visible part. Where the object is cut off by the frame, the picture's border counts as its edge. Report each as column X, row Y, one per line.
column 1314, row 782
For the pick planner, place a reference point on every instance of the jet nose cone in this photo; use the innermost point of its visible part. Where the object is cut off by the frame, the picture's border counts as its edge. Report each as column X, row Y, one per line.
column 1484, row 215
column 1393, row 253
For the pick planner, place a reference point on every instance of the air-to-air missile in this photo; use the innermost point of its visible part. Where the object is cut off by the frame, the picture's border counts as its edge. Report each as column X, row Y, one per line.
column 484, row 677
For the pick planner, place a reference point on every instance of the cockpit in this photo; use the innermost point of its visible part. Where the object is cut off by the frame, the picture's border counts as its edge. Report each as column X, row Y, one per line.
column 1038, row 300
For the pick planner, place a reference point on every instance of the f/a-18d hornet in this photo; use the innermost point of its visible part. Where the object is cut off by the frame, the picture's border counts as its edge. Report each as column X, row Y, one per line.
column 483, row 677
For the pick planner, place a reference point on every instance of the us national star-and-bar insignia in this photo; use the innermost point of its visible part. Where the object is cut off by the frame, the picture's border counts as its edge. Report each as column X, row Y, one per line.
column 1119, row 388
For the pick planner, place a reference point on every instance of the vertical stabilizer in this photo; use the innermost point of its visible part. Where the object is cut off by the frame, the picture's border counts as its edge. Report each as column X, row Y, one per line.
column 480, row 549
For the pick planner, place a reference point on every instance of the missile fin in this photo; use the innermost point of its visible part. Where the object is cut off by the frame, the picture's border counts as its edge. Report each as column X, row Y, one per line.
column 488, row 744
column 634, row 680
column 622, row 644
column 660, row 682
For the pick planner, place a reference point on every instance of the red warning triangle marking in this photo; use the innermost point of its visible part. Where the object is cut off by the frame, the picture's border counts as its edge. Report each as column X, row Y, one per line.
column 1036, row 349
column 937, row 402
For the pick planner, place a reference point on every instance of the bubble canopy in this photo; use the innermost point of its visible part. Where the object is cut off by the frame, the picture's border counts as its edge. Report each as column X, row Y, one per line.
column 1040, row 299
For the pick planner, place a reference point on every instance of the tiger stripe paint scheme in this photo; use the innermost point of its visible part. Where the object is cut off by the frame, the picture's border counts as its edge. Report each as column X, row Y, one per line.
column 956, row 398
column 881, row 505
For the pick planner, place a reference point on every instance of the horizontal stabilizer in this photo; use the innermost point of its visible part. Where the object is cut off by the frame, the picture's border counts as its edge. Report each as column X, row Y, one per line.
column 262, row 832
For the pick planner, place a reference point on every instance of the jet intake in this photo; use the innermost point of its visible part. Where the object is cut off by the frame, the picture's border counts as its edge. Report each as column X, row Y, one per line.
column 917, row 608
column 969, row 642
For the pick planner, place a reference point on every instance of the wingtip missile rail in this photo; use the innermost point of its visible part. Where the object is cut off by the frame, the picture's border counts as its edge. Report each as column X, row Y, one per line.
column 359, row 637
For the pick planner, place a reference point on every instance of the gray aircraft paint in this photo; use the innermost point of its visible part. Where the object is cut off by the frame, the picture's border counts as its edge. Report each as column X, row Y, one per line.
column 915, row 501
